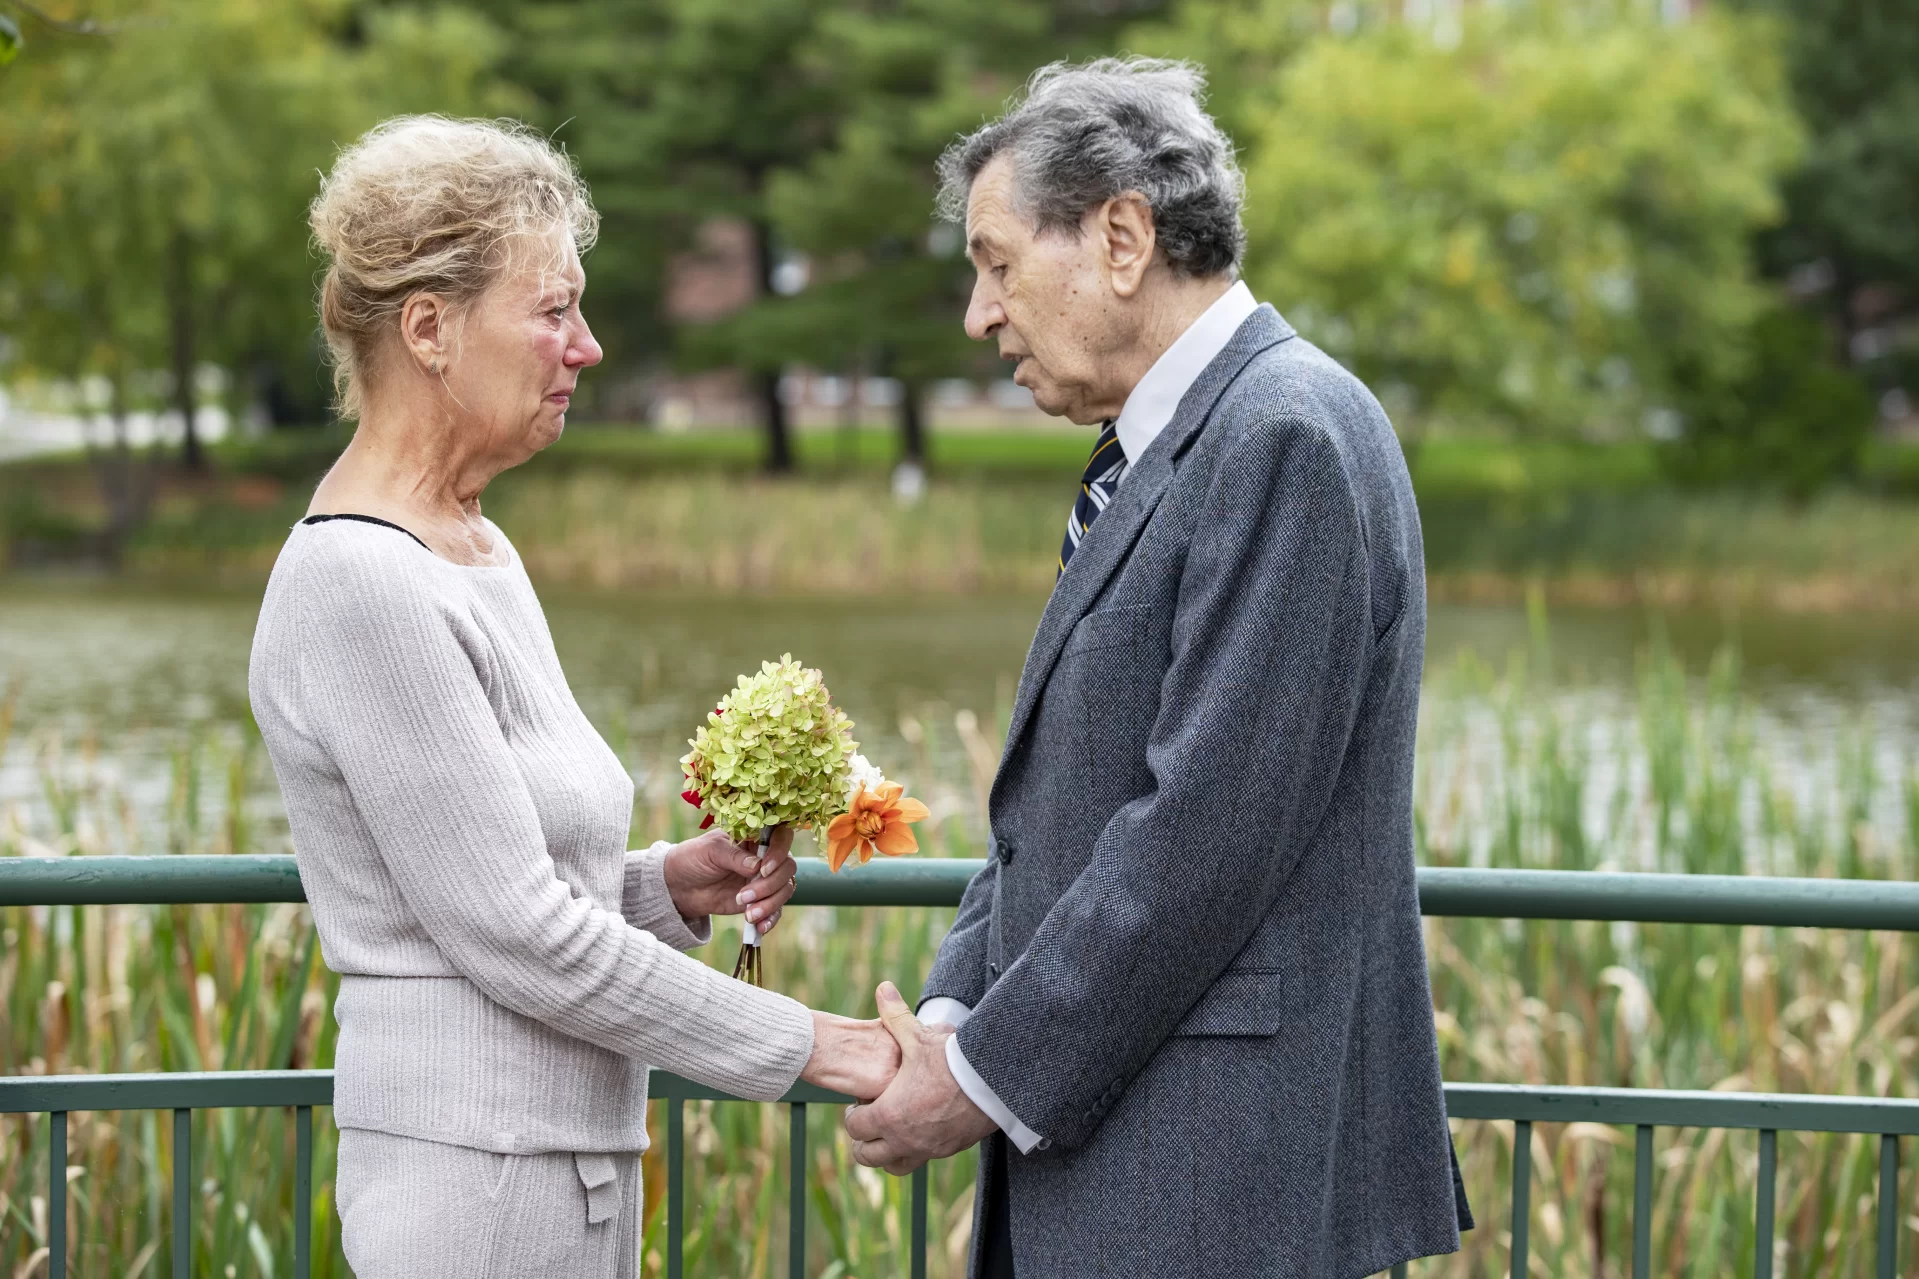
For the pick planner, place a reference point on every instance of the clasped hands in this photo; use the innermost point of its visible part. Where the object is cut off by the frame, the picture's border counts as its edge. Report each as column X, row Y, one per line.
column 911, row 1109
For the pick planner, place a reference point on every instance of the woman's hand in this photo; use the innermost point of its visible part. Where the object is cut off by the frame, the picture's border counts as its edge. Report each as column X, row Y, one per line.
column 710, row 874
column 858, row 1058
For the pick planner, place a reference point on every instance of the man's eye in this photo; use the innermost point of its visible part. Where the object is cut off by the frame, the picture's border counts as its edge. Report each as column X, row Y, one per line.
column 559, row 312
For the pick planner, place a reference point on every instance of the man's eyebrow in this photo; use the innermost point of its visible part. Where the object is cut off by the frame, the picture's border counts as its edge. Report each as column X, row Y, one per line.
column 978, row 245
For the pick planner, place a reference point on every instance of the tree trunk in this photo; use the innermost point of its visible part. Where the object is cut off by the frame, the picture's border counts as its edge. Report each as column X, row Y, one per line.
column 779, row 441
column 123, row 481
column 913, row 423
column 180, row 309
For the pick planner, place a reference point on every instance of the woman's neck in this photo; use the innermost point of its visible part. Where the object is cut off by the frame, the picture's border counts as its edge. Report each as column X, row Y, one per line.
column 418, row 479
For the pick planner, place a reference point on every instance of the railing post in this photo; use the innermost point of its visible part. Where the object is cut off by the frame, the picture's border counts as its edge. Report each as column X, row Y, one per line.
column 1762, row 1215
column 675, row 1188
column 1888, row 1206
column 182, row 1194
column 796, row 1194
column 1522, row 1194
column 919, row 1222
column 1642, row 1202
column 302, row 1192
column 57, row 1196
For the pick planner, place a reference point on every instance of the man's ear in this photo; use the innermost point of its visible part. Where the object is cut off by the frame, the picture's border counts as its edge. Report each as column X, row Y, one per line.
column 1127, row 239
column 423, row 330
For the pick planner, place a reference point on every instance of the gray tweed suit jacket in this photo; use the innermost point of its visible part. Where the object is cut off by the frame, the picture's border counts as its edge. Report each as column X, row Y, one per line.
column 1194, row 958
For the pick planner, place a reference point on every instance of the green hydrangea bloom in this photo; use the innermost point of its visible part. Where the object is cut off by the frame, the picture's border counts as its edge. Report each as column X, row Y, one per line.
column 777, row 751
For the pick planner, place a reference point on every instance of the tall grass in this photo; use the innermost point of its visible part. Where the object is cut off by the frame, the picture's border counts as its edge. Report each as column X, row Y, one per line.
column 1677, row 772
column 626, row 509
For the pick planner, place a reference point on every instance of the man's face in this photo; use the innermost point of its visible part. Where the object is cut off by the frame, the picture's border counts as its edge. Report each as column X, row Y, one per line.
column 1046, row 299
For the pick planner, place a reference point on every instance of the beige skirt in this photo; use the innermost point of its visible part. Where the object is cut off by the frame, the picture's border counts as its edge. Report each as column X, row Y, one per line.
column 413, row 1209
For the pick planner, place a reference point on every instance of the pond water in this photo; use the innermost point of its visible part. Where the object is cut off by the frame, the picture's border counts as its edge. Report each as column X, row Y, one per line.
column 126, row 671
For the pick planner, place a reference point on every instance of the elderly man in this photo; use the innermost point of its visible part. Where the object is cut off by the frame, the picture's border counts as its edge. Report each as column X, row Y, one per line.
column 1194, row 1025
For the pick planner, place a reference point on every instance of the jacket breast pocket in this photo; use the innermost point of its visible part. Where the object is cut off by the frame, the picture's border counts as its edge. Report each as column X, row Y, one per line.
column 1126, row 626
column 1242, row 1002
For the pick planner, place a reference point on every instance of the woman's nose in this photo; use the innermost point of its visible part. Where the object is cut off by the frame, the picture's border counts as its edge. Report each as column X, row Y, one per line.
column 583, row 352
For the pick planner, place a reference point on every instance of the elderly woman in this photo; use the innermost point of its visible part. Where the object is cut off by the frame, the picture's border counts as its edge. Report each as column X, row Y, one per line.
column 509, row 969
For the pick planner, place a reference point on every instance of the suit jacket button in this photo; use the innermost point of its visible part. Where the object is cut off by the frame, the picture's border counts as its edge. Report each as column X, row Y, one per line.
column 1004, row 851
column 992, row 969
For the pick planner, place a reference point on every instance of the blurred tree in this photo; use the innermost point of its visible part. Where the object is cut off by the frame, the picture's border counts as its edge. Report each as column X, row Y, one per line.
column 816, row 122
column 153, row 183
column 1537, row 215
column 682, row 111
column 889, row 283
column 1792, row 420
column 1851, row 236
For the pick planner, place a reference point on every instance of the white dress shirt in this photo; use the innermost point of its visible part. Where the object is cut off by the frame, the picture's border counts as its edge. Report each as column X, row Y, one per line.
column 1146, row 412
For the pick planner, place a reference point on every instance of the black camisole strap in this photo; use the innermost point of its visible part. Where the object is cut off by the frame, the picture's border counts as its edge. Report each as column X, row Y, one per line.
column 368, row 519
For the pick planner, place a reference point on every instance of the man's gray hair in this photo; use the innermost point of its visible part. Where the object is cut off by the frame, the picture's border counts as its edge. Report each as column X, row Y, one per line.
column 1081, row 135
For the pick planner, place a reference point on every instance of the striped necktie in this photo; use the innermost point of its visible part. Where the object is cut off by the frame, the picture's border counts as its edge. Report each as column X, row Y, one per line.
column 1104, row 470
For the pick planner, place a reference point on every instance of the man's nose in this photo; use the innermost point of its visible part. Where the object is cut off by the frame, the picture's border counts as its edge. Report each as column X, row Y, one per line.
column 984, row 317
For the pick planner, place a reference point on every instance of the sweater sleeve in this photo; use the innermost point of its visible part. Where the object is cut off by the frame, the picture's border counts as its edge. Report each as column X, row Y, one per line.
column 647, row 904
column 395, row 681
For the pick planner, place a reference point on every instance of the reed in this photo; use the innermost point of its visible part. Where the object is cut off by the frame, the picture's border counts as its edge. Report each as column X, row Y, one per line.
column 726, row 532
column 1679, row 772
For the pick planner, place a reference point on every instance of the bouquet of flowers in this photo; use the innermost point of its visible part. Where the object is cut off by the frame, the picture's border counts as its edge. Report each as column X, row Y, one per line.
column 776, row 751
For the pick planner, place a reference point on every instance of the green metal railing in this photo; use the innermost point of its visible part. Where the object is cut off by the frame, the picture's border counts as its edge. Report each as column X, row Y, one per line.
column 1589, row 895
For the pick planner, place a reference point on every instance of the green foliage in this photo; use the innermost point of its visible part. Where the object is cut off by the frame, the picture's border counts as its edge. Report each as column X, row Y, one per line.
column 1792, row 420
column 775, row 752
column 1525, row 218
column 1853, row 202
column 154, row 181
column 10, row 41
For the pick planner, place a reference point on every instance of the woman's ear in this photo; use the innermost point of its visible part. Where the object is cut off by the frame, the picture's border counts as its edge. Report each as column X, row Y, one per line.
column 423, row 326
column 1127, row 239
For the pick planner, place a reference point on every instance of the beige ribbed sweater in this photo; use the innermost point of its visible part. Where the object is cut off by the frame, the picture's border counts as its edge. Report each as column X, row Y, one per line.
column 508, row 969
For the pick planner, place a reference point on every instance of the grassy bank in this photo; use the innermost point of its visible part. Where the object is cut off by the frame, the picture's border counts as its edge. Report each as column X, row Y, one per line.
column 1682, row 774
column 630, row 510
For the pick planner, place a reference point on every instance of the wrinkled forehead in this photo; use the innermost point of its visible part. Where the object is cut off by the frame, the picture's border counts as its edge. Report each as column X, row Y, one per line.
column 993, row 221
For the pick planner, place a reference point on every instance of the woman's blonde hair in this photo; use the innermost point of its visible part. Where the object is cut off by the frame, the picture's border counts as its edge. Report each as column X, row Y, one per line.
column 425, row 204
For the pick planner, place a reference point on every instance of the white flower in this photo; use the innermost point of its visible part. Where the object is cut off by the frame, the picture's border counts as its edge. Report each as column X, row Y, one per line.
column 863, row 775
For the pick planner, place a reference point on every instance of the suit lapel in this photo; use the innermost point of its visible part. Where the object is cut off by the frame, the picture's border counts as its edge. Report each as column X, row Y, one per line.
column 1118, row 527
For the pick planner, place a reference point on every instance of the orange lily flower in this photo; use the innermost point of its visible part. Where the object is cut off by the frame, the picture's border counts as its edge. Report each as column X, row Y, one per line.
column 878, row 819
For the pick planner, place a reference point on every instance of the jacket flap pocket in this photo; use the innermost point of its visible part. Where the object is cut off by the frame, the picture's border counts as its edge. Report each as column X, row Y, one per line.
column 1107, row 627
column 1241, row 1002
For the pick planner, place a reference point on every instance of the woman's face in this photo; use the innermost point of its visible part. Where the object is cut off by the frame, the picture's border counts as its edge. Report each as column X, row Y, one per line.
column 518, row 354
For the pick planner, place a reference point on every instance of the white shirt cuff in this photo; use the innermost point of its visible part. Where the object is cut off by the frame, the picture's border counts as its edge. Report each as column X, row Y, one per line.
column 986, row 1099
column 946, row 1009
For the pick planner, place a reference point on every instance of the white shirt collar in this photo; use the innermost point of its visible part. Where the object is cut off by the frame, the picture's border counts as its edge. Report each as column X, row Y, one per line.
column 1152, row 404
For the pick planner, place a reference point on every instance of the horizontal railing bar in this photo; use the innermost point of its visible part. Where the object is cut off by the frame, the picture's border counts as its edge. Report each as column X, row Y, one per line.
column 664, row 1085
column 166, row 1090
column 1637, row 897
column 184, row 880
column 1550, row 1104
column 1672, row 1108
column 1443, row 891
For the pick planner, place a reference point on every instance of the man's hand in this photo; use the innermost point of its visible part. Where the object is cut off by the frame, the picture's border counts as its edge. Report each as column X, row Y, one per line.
column 923, row 1114
column 711, row 875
